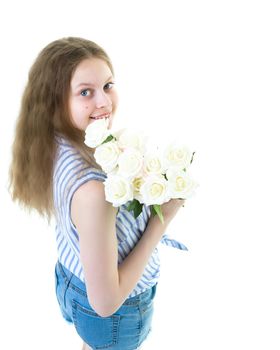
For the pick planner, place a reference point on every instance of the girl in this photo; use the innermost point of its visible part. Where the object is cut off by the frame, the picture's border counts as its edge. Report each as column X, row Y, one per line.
column 108, row 266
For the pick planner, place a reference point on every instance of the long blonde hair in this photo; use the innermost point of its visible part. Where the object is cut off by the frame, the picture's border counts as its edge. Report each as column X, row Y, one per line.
column 44, row 113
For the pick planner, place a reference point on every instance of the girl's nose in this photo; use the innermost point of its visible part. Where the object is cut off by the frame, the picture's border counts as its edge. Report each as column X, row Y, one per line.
column 102, row 99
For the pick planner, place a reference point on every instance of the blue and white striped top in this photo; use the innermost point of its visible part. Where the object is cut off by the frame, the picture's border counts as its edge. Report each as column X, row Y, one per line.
column 70, row 172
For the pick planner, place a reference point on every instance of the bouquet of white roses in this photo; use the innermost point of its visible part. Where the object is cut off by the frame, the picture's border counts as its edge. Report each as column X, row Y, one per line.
column 138, row 175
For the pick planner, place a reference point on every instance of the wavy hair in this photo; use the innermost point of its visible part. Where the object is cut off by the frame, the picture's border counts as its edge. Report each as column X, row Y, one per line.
column 44, row 113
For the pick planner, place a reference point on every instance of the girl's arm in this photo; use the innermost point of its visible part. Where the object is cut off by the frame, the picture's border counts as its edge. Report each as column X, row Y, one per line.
column 109, row 284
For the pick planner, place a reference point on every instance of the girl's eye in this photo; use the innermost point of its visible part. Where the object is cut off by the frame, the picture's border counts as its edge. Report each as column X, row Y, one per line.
column 108, row 86
column 85, row 92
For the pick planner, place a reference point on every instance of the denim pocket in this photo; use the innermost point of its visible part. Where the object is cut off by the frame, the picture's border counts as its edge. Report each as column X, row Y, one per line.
column 60, row 290
column 147, row 306
column 146, row 313
column 148, row 301
column 99, row 332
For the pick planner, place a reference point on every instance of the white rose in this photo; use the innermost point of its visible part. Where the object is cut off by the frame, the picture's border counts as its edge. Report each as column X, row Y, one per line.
column 153, row 163
column 107, row 155
column 129, row 138
column 180, row 184
column 97, row 132
column 118, row 190
column 154, row 190
column 136, row 184
column 130, row 163
column 176, row 156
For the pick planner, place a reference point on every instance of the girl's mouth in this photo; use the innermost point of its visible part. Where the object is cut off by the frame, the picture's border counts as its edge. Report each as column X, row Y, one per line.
column 101, row 116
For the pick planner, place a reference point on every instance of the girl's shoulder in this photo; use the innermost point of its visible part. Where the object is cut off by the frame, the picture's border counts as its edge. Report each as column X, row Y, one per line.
column 70, row 163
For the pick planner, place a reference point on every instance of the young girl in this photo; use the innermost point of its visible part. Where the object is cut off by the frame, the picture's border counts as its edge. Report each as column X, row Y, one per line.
column 108, row 266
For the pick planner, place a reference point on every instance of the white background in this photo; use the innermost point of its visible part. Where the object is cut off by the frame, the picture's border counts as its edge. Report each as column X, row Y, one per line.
column 206, row 72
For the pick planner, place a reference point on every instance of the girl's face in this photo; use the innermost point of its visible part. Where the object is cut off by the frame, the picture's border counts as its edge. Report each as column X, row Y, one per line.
column 92, row 93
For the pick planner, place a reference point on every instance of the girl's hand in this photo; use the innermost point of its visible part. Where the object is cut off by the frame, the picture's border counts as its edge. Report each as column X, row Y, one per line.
column 170, row 209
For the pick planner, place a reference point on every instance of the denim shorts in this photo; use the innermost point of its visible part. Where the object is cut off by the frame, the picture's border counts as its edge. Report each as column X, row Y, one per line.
column 126, row 329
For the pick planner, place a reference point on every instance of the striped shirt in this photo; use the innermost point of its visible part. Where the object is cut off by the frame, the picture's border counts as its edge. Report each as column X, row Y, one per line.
column 70, row 172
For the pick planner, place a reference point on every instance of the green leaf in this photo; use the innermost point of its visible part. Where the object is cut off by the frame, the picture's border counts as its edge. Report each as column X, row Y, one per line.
column 153, row 212
column 108, row 139
column 138, row 210
column 131, row 205
column 192, row 157
column 156, row 210
column 136, row 207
